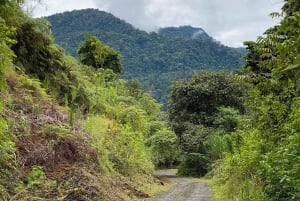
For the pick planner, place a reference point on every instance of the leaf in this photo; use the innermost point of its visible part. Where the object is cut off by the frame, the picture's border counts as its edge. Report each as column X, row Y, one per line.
column 275, row 14
column 291, row 68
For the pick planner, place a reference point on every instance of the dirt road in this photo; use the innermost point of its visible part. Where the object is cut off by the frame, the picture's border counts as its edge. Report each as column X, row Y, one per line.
column 185, row 189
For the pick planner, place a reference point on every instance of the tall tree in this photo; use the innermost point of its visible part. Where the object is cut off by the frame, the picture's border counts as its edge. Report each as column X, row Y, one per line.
column 196, row 112
column 93, row 53
column 197, row 101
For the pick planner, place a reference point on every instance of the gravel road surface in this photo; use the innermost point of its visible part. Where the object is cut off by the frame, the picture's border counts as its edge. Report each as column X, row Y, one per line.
column 185, row 189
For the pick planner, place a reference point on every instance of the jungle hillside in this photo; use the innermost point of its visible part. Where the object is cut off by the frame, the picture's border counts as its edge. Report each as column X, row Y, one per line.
column 72, row 129
column 75, row 128
column 155, row 59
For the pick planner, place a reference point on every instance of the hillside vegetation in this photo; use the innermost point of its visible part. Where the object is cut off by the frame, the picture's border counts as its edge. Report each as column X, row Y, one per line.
column 69, row 131
column 154, row 59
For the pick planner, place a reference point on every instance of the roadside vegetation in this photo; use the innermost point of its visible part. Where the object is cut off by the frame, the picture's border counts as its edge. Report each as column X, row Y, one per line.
column 69, row 130
column 248, row 143
column 264, row 162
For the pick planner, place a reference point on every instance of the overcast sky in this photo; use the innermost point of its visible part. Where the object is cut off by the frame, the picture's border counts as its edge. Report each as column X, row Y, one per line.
column 229, row 21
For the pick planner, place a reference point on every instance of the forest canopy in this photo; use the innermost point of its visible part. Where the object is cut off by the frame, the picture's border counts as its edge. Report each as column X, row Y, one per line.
column 155, row 59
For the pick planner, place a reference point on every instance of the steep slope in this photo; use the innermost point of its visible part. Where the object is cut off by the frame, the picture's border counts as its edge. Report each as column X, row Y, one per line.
column 155, row 59
column 69, row 131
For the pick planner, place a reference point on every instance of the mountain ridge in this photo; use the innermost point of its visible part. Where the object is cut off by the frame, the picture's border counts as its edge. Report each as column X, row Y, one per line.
column 185, row 31
column 152, row 58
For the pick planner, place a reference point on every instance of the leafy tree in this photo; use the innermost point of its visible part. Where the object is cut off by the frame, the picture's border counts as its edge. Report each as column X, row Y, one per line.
column 134, row 88
column 197, row 101
column 207, row 104
column 92, row 52
column 10, row 11
column 252, row 58
column 290, row 7
column 194, row 164
column 227, row 119
column 163, row 143
column 37, row 58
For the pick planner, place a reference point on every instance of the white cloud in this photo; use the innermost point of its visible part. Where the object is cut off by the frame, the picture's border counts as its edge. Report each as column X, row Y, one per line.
column 132, row 11
column 49, row 7
column 170, row 12
column 229, row 21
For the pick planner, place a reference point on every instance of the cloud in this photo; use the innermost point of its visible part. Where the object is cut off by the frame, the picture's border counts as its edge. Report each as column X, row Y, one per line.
column 170, row 12
column 49, row 7
column 229, row 21
column 133, row 11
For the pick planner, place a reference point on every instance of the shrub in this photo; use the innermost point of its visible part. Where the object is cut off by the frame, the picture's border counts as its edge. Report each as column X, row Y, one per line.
column 194, row 164
column 35, row 177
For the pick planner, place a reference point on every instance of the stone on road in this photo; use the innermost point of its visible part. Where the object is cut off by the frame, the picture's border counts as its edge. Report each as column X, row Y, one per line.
column 185, row 189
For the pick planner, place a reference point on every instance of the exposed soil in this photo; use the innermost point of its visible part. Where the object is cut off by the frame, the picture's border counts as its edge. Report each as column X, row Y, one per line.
column 185, row 189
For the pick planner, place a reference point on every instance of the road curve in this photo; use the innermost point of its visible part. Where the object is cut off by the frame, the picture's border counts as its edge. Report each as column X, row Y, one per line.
column 185, row 189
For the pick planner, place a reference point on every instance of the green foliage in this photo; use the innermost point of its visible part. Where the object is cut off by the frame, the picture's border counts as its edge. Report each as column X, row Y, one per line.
column 35, row 57
column 227, row 119
column 280, row 165
column 290, row 7
column 193, row 138
column 196, row 161
column 123, row 135
column 194, row 164
column 7, row 146
column 217, row 145
column 164, row 145
column 264, row 162
column 10, row 11
column 201, row 111
column 187, row 32
column 35, row 177
column 154, row 59
column 237, row 176
column 43, row 59
column 99, row 127
column 70, row 131
column 93, row 53
column 197, row 101
column 6, row 41
column 284, row 185
column 120, row 142
column 253, row 58
column 8, row 160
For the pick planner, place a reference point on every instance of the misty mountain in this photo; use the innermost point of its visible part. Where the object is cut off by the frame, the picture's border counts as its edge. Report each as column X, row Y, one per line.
column 156, row 59
column 187, row 32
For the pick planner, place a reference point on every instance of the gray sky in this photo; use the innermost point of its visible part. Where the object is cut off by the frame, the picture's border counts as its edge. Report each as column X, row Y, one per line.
column 229, row 21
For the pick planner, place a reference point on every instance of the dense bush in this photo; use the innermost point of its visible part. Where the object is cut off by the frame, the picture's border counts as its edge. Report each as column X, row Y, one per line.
column 263, row 164
column 164, row 145
column 201, row 111
column 194, row 164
